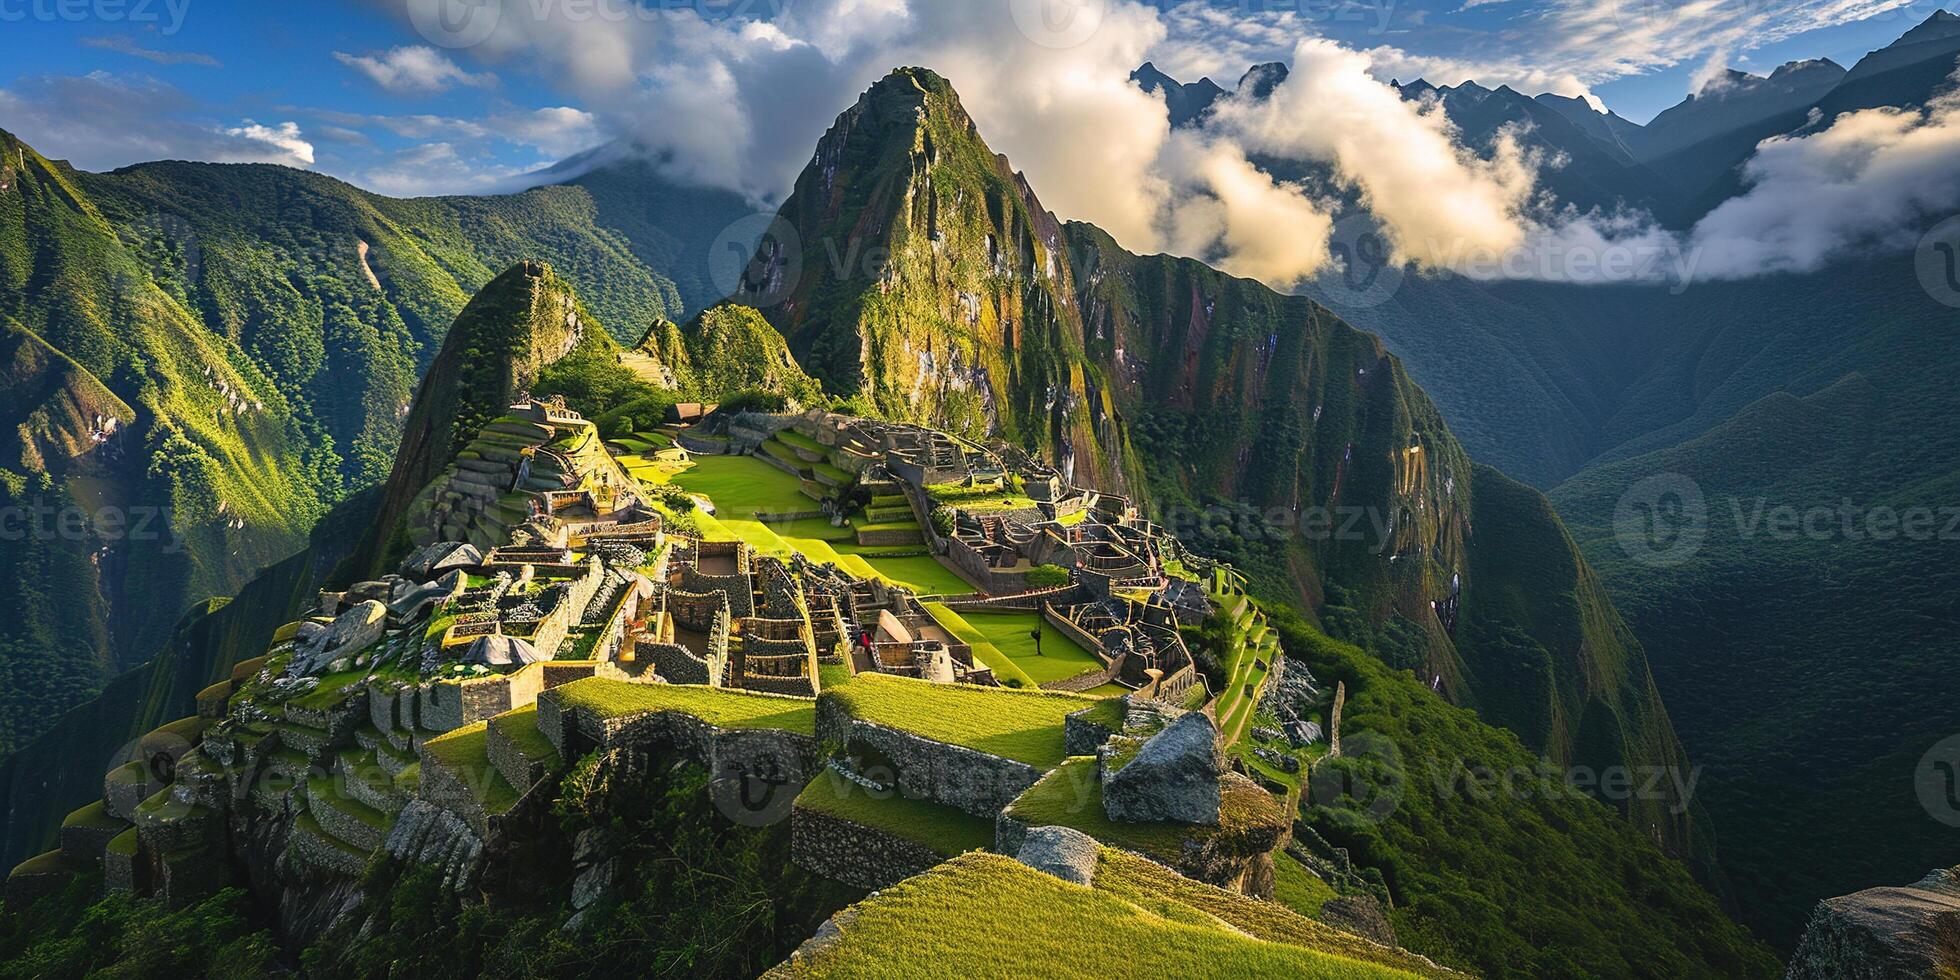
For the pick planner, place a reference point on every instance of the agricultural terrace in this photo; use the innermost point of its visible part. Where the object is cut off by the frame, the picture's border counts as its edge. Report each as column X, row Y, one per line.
column 743, row 487
column 1025, row 726
column 940, row 828
column 1008, row 635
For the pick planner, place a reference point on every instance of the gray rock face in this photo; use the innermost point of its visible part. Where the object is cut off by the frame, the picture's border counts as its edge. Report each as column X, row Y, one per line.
column 1883, row 933
column 1066, row 853
column 361, row 626
column 1173, row 776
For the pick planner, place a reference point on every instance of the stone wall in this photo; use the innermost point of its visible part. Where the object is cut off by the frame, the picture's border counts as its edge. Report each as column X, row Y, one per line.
column 766, row 754
column 967, row 779
column 852, row 853
column 673, row 662
column 976, row 568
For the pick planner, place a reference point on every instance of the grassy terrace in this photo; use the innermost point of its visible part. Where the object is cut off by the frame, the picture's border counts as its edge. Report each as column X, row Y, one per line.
column 1297, row 888
column 951, row 921
column 1005, row 669
column 465, row 753
column 1071, row 796
column 745, row 490
column 742, row 486
column 1147, row 884
column 1252, row 644
column 1009, row 632
column 941, row 828
column 719, row 707
column 520, row 726
column 1025, row 726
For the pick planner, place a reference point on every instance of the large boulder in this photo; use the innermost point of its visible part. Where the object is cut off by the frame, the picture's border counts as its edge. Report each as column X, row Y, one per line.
column 1064, row 852
column 1882, row 933
column 361, row 626
column 1173, row 775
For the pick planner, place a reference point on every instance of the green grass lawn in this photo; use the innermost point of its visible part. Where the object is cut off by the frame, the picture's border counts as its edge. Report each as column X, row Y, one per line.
column 520, row 726
column 1297, row 888
column 465, row 753
column 742, row 486
column 1009, row 632
column 941, row 828
column 1022, row 725
column 1005, row 669
column 924, row 574
column 717, row 706
column 987, row 915
column 800, row 441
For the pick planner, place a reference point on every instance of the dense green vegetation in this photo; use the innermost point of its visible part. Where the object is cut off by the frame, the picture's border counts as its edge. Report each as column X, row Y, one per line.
column 1495, row 863
column 76, row 932
column 1777, row 398
column 697, row 896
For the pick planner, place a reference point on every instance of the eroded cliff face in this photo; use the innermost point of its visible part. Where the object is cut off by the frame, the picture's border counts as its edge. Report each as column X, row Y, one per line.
column 1908, row 931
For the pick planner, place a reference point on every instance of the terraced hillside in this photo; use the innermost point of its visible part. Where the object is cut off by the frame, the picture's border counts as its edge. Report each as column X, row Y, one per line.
column 1259, row 427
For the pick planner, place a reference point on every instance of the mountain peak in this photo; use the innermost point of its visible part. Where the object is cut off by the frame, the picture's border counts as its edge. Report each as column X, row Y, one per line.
column 1259, row 81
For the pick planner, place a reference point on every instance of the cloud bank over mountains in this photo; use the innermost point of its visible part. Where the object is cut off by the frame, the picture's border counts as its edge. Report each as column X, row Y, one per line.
column 738, row 103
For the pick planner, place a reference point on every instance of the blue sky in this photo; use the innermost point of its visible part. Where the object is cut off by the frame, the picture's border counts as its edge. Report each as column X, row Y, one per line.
column 354, row 90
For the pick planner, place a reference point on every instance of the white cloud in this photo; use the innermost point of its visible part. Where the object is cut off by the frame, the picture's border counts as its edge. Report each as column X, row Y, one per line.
column 102, row 120
column 1866, row 181
column 435, row 168
column 122, row 44
column 282, row 142
column 414, row 70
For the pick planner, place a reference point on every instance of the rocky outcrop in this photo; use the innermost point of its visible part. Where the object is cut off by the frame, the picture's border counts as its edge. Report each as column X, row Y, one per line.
column 1173, row 775
column 1060, row 851
column 1884, row 933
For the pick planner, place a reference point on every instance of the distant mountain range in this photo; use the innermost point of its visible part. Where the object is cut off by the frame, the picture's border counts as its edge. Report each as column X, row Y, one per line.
column 1794, row 390
column 1683, row 162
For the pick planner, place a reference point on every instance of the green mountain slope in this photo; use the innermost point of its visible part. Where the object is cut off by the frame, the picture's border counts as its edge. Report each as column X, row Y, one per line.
column 519, row 324
column 1494, row 864
column 1800, row 392
column 234, row 346
column 522, row 322
column 726, row 348
column 170, row 465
